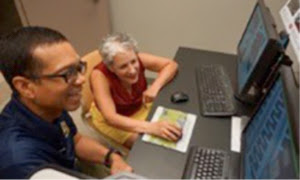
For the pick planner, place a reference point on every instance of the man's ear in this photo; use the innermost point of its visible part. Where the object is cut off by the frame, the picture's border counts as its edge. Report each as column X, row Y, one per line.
column 24, row 86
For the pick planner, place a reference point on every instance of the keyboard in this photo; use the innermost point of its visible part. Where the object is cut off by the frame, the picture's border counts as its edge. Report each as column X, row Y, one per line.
column 215, row 91
column 204, row 163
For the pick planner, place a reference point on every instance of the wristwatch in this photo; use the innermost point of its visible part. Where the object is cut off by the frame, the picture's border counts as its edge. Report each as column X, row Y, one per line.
column 107, row 159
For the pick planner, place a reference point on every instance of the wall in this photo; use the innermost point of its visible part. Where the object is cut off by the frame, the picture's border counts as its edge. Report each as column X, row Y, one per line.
column 9, row 17
column 84, row 22
column 162, row 26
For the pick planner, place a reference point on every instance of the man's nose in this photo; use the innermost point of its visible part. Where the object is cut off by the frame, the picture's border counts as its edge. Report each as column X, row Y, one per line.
column 80, row 79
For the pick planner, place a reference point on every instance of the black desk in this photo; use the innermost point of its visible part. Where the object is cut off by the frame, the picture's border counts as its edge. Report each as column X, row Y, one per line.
column 154, row 161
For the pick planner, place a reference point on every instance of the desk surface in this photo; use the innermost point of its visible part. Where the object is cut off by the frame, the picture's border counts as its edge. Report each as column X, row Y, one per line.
column 154, row 161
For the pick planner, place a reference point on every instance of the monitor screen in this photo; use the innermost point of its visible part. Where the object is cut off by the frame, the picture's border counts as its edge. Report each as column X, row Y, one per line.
column 251, row 46
column 269, row 150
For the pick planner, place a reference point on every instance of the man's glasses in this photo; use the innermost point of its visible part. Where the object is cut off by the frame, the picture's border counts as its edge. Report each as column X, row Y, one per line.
column 70, row 75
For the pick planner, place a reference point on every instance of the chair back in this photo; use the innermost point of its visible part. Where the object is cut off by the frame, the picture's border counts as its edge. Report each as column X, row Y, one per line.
column 92, row 59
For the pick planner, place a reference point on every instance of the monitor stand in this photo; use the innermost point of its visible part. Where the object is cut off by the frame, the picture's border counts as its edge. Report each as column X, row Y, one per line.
column 256, row 91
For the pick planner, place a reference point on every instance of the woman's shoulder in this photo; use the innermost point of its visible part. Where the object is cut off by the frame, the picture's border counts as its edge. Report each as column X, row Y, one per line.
column 97, row 74
column 102, row 69
column 100, row 66
column 140, row 60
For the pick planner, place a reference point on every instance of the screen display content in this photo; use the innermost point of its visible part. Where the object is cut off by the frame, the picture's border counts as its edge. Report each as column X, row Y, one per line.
column 269, row 150
column 251, row 46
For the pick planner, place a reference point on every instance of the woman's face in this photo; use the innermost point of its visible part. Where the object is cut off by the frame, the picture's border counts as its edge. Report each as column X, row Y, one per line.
column 126, row 67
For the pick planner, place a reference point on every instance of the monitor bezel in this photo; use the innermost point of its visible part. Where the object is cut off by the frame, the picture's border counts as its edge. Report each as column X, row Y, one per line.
column 291, row 95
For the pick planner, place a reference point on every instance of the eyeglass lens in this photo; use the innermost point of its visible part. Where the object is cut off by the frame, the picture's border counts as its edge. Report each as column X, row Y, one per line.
column 72, row 74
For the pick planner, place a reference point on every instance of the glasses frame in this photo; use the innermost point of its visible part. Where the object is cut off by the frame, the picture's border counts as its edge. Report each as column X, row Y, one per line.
column 68, row 76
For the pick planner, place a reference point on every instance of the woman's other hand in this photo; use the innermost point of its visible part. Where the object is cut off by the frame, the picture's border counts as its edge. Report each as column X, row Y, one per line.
column 149, row 95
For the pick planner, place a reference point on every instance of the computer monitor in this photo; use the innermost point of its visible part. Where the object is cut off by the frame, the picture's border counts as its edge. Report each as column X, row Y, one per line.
column 258, row 50
column 271, row 149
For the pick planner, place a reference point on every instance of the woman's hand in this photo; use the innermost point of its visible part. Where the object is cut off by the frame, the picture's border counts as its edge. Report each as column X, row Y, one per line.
column 165, row 130
column 119, row 165
column 150, row 94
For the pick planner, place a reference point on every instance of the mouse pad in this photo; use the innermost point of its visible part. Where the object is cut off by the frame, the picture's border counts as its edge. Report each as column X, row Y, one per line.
column 183, row 119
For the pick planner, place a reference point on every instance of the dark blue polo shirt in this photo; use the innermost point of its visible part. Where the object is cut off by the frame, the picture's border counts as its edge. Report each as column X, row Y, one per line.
column 27, row 142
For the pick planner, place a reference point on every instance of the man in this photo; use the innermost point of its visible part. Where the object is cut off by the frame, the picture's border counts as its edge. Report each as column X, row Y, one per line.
column 46, row 76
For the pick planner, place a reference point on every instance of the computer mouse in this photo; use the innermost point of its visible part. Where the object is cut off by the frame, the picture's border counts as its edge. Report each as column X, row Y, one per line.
column 179, row 97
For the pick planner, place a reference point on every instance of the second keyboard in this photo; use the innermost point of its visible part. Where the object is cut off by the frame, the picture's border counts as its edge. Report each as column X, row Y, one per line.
column 215, row 91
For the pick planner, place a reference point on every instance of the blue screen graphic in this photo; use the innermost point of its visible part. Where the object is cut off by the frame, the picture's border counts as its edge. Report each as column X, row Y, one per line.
column 251, row 47
column 269, row 149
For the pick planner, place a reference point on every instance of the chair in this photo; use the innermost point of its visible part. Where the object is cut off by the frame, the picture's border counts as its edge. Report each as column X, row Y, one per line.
column 92, row 59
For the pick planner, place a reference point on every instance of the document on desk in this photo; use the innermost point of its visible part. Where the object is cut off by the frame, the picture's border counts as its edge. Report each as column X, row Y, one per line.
column 237, row 126
column 185, row 120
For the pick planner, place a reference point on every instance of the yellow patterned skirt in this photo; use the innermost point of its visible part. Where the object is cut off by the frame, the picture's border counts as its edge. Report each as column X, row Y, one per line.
column 118, row 135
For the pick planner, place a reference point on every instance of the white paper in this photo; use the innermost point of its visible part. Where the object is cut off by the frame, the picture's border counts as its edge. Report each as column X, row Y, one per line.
column 186, row 122
column 237, row 126
column 290, row 14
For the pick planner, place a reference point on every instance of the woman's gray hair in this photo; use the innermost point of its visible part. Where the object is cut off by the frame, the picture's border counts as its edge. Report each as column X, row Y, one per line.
column 114, row 44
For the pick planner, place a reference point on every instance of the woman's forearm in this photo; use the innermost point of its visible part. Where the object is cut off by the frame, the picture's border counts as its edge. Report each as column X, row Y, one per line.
column 127, row 123
column 166, row 74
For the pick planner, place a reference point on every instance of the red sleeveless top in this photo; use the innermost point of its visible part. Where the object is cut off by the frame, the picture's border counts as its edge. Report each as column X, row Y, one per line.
column 126, row 103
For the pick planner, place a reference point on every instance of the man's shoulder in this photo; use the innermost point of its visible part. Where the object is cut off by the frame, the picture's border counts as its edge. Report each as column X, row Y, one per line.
column 7, row 114
column 18, row 159
column 17, row 150
column 9, row 124
column 14, row 140
column 15, row 137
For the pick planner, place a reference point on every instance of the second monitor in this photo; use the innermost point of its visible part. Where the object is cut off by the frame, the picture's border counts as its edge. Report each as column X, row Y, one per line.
column 258, row 51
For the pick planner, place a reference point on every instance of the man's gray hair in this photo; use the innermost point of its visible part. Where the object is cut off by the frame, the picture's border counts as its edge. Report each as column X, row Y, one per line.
column 114, row 44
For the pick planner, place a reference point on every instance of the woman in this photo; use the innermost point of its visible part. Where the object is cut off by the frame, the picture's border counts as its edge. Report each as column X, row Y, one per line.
column 121, row 94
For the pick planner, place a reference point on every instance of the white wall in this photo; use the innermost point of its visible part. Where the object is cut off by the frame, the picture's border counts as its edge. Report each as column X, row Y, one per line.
column 161, row 26
column 83, row 22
